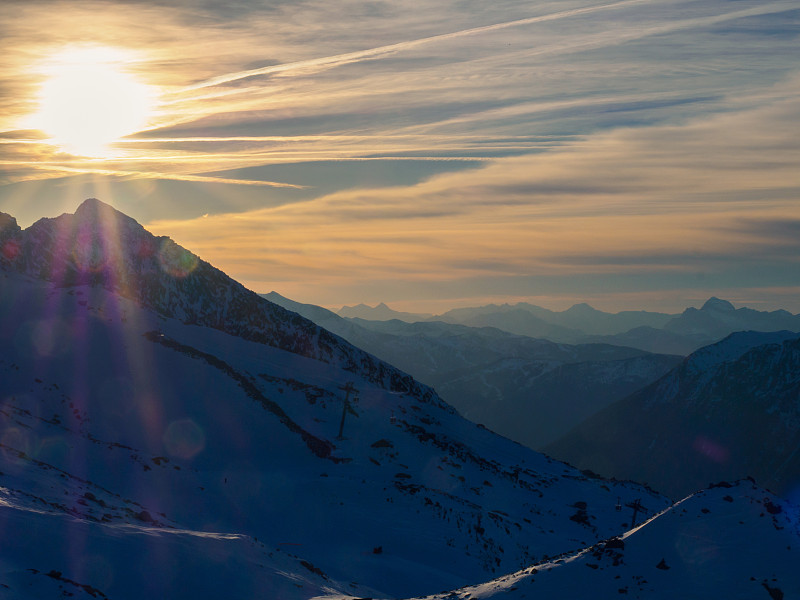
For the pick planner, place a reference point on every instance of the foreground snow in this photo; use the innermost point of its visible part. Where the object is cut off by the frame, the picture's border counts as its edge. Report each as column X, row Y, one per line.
column 165, row 433
column 732, row 541
column 134, row 439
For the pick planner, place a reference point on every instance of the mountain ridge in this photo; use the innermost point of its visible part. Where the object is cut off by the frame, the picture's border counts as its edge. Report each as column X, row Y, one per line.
column 100, row 245
column 728, row 410
column 138, row 428
column 656, row 332
column 380, row 312
column 530, row 390
column 146, row 452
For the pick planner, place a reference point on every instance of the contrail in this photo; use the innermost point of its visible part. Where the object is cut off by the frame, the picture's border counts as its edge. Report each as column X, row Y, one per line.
column 373, row 53
column 172, row 176
column 329, row 62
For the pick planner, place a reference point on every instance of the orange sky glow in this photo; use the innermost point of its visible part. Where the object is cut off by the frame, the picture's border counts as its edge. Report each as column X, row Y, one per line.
column 630, row 154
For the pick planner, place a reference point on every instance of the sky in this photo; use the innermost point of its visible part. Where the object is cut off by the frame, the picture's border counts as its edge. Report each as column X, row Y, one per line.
column 638, row 154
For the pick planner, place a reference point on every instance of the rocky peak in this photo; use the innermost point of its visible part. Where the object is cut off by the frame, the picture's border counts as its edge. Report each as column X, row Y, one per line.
column 9, row 239
column 581, row 309
column 95, row 212
column 100, row 246
column 7, row 224
column 718, row 305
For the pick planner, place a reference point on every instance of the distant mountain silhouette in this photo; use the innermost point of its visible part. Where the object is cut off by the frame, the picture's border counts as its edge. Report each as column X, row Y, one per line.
column 718, row 318
column 651, row 331
column 530, row 390
column 654, row 340
column 381, row 312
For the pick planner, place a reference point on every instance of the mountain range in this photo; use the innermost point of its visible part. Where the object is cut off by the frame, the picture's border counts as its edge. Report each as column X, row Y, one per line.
column 380, row 312
column 529, row 390
column 729, row 410
column 165, row 432
column 660, row 333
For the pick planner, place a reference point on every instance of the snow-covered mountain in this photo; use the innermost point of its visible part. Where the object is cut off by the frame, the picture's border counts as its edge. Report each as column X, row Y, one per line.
column 529, row 390
column 728, row 411
column 156, row 444
column 165, row 432
column 98, row 245
column 710, row 545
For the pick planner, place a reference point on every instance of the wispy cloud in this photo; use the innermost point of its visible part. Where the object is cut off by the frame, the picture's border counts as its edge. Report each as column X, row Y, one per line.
column 631, row 140
column 328, row 62
column 581, row 44
column 641, row 202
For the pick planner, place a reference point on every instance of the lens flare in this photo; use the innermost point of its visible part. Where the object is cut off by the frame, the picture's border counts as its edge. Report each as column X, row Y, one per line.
column 175, row 260
column 184, row 438
column 10, row 249
column 88, row 252
column 710, row 449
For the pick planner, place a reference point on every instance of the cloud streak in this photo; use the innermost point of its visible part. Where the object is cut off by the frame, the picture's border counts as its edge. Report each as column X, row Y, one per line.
column 628, row 203
column 441, row 147
column 390, row 49
column 638, row 32
column 58, row 170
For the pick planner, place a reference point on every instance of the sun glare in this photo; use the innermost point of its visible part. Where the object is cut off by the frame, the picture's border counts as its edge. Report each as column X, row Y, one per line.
column 89, row 100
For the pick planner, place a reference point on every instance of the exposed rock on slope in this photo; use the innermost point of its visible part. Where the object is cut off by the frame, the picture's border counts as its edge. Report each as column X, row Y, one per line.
column 729, row 410
column 99, row 245
column 152, row 447
column 711, row 545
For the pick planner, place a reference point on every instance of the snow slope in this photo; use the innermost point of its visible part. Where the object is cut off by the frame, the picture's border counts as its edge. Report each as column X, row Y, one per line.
column 99, row 245
column 710, row 545
column 156, row 443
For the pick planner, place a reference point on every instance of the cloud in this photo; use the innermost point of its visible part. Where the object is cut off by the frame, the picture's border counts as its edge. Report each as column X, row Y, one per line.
column 445, row 82
column 785, row 230
column 611, row 141
column 650, row 203
column 328, row 62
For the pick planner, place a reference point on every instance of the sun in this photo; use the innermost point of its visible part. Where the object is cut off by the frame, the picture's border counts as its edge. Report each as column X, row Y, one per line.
column 89, row 99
